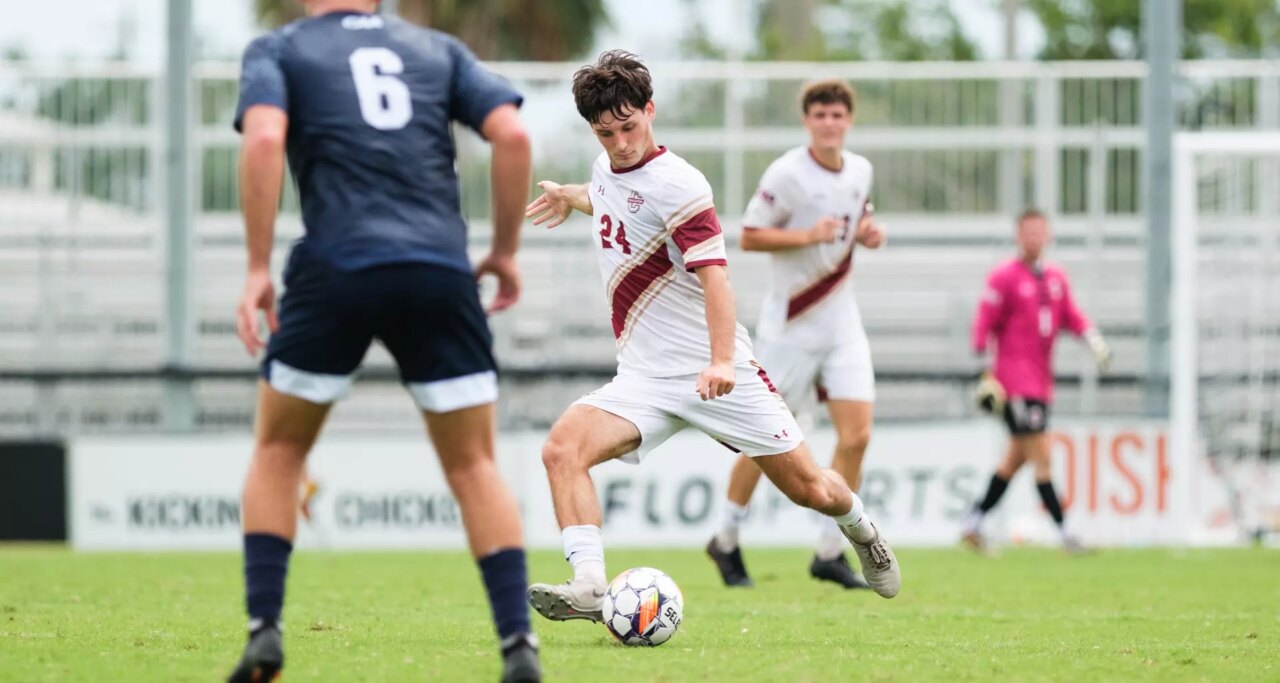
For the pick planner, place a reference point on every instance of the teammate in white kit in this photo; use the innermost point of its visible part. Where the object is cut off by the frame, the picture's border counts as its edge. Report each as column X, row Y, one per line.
column 810, row 212
column 683, row 361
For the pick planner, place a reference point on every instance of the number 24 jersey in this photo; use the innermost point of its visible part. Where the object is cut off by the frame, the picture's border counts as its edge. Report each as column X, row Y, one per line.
column 655, row 224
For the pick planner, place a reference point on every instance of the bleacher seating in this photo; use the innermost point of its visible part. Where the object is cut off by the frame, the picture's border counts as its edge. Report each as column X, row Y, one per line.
column 68, row 304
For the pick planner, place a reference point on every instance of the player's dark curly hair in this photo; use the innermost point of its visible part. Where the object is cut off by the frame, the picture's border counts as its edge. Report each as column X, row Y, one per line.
column 618, row 83
column 832, row 91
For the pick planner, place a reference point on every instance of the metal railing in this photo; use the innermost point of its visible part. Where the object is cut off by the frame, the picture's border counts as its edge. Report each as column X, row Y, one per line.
column 946, row 138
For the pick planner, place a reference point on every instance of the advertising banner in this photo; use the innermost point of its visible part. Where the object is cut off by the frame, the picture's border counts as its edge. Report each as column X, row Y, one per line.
column 920, row 481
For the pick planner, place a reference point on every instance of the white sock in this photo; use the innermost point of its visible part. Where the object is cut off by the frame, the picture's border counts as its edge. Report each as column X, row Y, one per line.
column 973, row 523
column 856, row 521
column 831, row 542
column 734, row 515
column 585, row 552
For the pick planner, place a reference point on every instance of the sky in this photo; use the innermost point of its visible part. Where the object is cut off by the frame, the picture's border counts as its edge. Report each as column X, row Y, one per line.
column 89, row 29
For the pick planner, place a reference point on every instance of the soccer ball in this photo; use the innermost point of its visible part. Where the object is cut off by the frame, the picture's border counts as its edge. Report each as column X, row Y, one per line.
column 643, row 607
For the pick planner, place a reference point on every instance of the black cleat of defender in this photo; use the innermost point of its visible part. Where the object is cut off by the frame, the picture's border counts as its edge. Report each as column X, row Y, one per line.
column 520, row 659
column 838, row 571
column 263, row 658
column 732, row 569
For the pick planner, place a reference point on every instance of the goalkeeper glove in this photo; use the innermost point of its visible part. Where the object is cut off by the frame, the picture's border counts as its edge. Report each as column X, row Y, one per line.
column 1098, row 346
column 990, row 395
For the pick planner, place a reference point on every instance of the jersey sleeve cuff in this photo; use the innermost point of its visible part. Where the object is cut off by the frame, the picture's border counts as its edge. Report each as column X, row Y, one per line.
column 694, row 265
column 245, row 106
column 480, row 111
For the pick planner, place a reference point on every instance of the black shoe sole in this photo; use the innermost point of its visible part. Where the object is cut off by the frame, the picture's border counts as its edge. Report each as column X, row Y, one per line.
column 263, row 658
column 258, row 673
column 533, row 676
column 844, row 582
column 522, row 667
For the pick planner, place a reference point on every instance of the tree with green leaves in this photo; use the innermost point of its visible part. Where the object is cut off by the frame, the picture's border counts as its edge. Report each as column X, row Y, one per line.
column 546, row 30
column 1112, row 29
column 858, row 30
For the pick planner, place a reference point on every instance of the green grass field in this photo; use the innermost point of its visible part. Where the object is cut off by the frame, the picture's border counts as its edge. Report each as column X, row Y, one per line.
column 1027, row 615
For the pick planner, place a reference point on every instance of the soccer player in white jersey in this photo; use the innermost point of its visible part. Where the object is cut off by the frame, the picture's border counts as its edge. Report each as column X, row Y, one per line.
column 683, row 361
column 810, row 212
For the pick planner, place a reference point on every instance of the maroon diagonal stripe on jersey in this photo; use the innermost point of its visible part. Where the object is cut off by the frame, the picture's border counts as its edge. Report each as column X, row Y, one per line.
column 634, row 284
column 811, row 295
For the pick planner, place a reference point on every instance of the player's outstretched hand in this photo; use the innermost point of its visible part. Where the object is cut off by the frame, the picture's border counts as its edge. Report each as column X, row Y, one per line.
column 553, row 207
column 508, row 273
column 716, row 381
column 259, row 295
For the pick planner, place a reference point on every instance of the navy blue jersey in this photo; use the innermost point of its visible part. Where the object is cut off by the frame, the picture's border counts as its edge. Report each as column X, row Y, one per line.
column 370, row 100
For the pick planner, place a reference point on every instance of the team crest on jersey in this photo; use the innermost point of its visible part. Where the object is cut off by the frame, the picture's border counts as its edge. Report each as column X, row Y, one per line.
column 600, row 189
column 768, row 197
column 634, row 202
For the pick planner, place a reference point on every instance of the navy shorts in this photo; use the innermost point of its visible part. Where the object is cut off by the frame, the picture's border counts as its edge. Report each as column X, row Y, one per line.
column 1024, row 416
column 429, row 317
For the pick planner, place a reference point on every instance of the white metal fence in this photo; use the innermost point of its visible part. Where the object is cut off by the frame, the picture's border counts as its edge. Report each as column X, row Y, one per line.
column 958, row 148
column 982, row 138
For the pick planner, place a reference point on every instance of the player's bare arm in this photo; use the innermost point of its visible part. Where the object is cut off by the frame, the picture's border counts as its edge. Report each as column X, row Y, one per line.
column 509, row 176
column 718, row 379
column 557, row 203
column 781, row 239
column 261, row 181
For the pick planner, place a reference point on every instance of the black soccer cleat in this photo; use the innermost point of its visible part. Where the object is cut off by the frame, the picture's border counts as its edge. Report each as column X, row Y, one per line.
column 732, row 569
column 520, row 659
column 263, row 658
column 837, row 570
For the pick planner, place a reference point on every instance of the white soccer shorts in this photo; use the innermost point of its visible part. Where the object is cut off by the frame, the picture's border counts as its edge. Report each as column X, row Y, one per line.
column 840, row 373
column 752, row 419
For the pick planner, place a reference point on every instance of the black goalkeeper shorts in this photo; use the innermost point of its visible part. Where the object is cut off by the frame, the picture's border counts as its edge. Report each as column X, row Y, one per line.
column 1026, row 416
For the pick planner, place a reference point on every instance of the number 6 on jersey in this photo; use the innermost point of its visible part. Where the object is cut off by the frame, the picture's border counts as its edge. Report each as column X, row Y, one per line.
column 385, row 101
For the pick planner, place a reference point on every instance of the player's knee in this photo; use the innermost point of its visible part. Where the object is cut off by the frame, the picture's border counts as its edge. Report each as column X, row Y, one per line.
column 853, row 444
column 559, row 456
column 1011, row 463
column 862, row 439
column 282, row 451
column 471, row 473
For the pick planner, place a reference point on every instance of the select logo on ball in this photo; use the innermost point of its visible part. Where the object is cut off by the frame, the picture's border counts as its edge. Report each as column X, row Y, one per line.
column 643, row 607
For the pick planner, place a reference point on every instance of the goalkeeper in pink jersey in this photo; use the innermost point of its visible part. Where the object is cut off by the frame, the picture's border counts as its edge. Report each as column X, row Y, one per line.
column 1026, row 302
